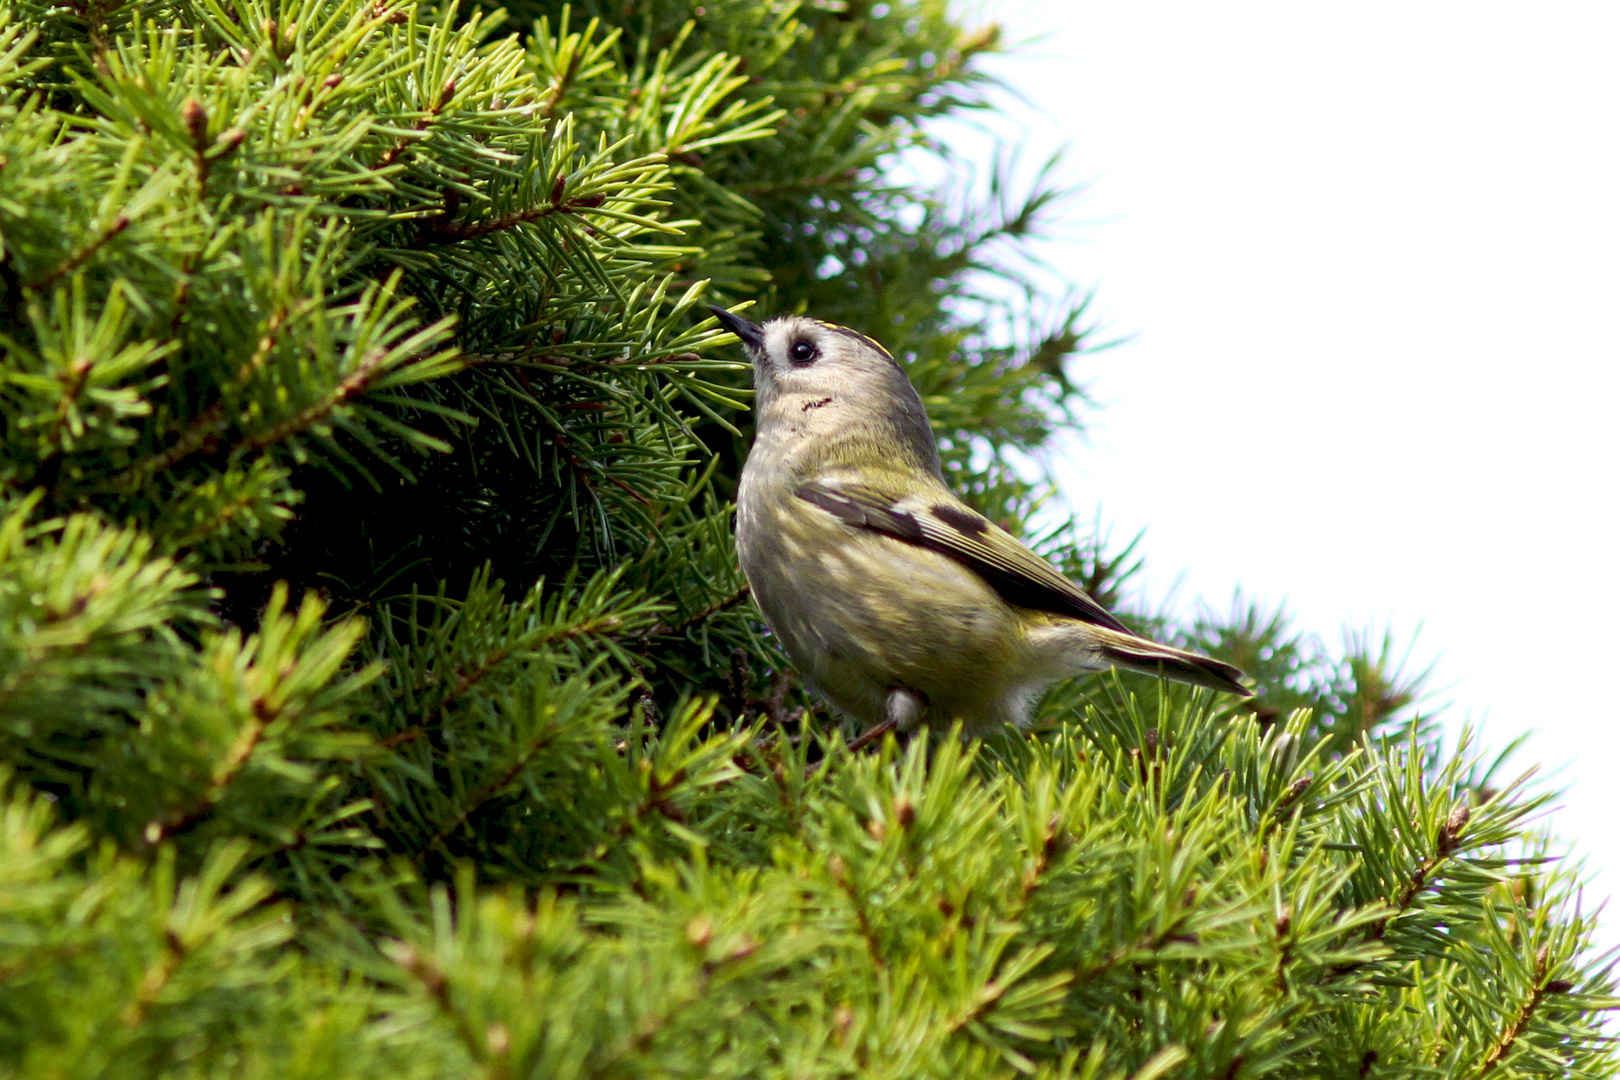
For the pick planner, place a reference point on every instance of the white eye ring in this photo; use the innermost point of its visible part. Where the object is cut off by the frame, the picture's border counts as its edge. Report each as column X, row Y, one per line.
column 801, row 352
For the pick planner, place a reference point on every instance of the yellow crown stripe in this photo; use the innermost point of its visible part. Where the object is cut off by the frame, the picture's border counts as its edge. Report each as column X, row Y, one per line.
column 835, row 328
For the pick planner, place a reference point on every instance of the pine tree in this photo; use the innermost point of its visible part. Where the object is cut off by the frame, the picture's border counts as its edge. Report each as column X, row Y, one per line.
column 379, row 695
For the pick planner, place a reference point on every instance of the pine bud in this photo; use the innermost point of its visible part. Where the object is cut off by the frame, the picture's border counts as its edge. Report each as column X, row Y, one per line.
column 1446, row 842
column 1056, row 839
column 1295, row 790
column 228, row 141
column 1458, row 820
column 904, row 812
column 195, row 117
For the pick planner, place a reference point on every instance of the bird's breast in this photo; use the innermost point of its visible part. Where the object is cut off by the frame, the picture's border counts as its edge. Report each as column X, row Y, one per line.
column 861, row 612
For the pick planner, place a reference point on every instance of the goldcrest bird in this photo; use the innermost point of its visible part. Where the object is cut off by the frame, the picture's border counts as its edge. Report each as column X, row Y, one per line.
column 896, row 601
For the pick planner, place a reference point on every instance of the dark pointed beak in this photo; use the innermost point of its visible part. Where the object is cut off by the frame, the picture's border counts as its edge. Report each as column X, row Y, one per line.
column 750, row 333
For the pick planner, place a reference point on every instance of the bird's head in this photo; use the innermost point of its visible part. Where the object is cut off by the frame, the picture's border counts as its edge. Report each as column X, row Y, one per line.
column 796, row 355
column 835, row 389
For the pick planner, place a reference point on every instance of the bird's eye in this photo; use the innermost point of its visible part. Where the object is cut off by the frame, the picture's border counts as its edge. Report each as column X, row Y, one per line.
column 802, row 352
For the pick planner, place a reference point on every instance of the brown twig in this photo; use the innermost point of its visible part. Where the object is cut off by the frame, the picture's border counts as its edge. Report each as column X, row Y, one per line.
column 247, row 740
column 723, row 604
column 467, row 679
column 487, row 791
column 446, row 92
column 1505, row 1041
column 202, row 435
column 840, row 874
column 351, row 387
column 872, row 734
column 81, row 256
column 437, row 230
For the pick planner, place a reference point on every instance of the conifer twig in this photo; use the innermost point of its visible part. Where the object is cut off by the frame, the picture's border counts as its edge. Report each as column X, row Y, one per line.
column 703, row 616
column 438, row 230
column 1421, row 879
column 155, row 979
column 1521, row 1019
column 202, row 434
column 863, row 924
column 466, row 679
column 247, row 740
column 488, row 790
column 397, row 151
column 81, row 255
column 351, row 387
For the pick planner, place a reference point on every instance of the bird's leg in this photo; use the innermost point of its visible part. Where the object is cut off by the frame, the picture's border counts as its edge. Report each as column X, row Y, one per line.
column 902, row 711
column 905, row 708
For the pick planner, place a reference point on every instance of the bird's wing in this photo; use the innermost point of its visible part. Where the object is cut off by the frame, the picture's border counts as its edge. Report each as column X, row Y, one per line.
column 950, row 528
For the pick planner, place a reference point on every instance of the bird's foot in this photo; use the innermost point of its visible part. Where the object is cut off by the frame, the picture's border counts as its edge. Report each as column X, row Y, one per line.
column 902, row 711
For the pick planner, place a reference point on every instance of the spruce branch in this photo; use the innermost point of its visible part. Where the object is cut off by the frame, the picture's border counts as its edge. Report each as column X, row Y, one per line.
column 492, row 787
column 838, row 870
column 1541, row 987
column 81, row 255
column 155, row 979
column 263, row 714
column 419, row 132
column 1144, row 946
column 483, row 666
column 357, row 382
column 703, row 615
column 439, row 229
column 1420, row 880
column 202, row 434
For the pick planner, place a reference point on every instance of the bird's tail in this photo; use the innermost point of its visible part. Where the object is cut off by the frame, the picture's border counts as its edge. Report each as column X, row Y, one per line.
column 1150, row 658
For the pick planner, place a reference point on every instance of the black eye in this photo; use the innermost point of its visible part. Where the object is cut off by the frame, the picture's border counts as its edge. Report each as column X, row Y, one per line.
column 802, row 352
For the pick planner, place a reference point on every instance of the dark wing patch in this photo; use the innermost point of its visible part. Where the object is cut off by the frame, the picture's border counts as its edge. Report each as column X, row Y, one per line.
column 965, row 520
column 863, row 515
column 1019, row 575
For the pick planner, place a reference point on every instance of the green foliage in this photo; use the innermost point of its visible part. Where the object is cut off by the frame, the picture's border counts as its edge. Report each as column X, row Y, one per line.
column 379, row 696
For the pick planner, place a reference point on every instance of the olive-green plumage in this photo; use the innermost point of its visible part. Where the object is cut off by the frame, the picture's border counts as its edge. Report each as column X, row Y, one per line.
column 896, row 601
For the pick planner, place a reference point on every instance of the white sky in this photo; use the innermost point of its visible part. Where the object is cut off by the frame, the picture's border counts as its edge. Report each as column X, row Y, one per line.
column 1371, row 257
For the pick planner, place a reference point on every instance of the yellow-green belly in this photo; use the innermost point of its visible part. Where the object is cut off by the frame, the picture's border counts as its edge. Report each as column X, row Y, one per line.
column 861, row 613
